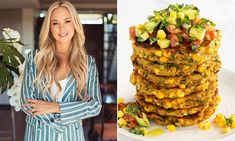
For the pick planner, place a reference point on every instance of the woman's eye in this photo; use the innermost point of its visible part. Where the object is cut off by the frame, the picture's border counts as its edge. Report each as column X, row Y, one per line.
column 54, row 23
column 67, row 21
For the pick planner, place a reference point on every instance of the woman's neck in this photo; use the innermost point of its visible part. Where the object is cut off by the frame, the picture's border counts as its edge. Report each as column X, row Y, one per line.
column 62, row 51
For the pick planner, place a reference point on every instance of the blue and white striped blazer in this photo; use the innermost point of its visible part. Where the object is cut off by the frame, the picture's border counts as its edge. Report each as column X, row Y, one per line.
column 47, row 127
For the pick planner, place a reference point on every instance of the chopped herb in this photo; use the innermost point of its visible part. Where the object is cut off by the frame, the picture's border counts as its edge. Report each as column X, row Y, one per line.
column 229, row 121
column 152, row 40
column 133, row 109
column 136, row 131
column 140, row 40
column 194, row 48
column 206, row 21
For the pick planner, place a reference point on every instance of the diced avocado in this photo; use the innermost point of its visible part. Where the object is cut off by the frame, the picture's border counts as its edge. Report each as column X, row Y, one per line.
column 190, row 13
column 181, row 15
column 143, row 121
column 144, row 36
column 163, row 43
column 139, row 30
column 171, row 20
column 197, row 33
column 150, row 26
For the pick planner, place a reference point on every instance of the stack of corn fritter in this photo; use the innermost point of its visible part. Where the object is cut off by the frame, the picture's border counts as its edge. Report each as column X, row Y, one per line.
column 175, row 59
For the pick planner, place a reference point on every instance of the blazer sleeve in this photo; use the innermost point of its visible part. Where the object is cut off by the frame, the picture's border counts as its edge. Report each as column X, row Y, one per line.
column 27, row 92
column 72, row 111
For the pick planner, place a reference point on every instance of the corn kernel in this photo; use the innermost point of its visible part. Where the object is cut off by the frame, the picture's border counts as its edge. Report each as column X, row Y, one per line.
column 182, row 86
column 163, row 59
column 120, row 100
column 202, row 49
column 233, row 124
column 166, row 53
column 210, row 50
column 186, row 67
column 171, row 80
column 221, row 124
column 161, row 34
column 201, row 125
column 207, row 125
column 181, row 15
column 173, row 14
column 144, row 130
column 124, row 110
column 180, row 100
column 232, row 118
column 158, row 53
column 122, row 122
column 140, row 71
column 195, row 57
column 168, row 105
column 201, row 69
column 158, row 17
column 216, row 120
column 120, row 114
column 156, row 70
column 160, row 95
column 171, row 128
column 226, row 130
column 149, row 100
column 179, row 93
column 172, row 94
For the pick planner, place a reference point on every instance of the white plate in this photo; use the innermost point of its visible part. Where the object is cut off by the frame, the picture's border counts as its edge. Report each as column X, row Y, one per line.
column 193, row 133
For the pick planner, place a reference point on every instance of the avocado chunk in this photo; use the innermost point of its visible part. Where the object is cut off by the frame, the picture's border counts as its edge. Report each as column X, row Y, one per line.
column 163, row 43
column 144, row 36
column 150, row 26
column 197, row 33
column 139, row 30
column 191, row 13
column 171, row 20
column 143, row 121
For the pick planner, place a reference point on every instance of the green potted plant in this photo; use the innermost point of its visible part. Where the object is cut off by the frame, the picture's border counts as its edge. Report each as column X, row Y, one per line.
column 10, row 58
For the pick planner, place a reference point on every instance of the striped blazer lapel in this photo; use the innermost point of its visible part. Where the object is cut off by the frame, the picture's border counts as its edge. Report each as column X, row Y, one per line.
column 69, row 86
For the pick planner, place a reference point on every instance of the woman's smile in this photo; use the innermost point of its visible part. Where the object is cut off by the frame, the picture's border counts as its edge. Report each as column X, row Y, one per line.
column 63, row 34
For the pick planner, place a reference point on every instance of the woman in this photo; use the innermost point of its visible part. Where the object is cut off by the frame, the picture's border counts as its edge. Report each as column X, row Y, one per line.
column 60, row 86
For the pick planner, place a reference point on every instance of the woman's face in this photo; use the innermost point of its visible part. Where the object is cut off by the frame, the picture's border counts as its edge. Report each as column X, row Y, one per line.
column 61, row 25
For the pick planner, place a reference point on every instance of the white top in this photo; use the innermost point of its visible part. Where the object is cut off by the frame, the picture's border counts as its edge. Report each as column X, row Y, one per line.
column 61, row 93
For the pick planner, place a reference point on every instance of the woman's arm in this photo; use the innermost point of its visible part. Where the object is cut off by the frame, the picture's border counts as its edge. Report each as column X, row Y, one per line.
column 71, row 111
column 27, row 92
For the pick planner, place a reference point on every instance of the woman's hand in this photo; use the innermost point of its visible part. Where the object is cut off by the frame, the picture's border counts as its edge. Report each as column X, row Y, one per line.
column 40, row 107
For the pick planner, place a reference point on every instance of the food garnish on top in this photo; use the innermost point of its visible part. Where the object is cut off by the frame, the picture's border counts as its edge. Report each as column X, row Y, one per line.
column 175, row 26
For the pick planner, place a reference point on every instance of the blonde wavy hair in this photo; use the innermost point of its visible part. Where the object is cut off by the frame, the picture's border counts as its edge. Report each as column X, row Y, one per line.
column 46, row 59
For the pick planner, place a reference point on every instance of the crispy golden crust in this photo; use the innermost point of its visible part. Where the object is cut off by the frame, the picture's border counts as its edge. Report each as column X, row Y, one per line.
column 186, row 120
column 167, row 69
column 150, row 108
column 192, row 100
column 171, row 81
column 179, row 54
column 146, row 87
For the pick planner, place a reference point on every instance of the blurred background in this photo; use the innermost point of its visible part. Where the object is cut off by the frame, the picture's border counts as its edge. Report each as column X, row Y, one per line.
column 99, row 19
